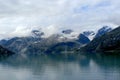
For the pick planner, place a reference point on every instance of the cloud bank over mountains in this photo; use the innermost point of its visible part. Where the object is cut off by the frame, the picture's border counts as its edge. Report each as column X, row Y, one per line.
column 17, row 17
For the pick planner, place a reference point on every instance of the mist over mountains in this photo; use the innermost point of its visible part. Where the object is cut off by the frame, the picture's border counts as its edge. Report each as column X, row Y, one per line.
column 66, row 40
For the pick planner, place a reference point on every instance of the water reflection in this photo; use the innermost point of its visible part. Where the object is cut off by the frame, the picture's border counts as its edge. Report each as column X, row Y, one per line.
column 59, row 67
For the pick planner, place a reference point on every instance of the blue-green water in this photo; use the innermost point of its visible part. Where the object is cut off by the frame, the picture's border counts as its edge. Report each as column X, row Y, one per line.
column 82, row 67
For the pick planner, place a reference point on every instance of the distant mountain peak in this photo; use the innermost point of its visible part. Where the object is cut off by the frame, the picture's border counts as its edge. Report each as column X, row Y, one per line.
column 67, row 31
column 103, row 30
column 83, row 39
column 37, row 33
column 89, row 33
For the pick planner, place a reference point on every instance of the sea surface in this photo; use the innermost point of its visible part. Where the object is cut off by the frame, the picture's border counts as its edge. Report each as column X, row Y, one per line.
column 59, row 67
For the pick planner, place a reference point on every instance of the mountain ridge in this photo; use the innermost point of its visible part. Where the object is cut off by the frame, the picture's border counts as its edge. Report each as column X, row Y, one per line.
column 106, row 43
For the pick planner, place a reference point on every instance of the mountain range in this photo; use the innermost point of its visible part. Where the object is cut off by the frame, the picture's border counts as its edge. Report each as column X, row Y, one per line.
column 67, row 40
column 108, row 42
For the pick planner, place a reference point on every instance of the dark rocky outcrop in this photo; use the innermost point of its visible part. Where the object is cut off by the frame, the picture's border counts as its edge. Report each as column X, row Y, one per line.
column 88, row 33
column 68, row 31
column 5, row 52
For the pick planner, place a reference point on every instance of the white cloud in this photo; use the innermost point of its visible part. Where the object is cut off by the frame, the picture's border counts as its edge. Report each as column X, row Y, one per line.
column 77, row 14
column 22, row 31
column 50, row 30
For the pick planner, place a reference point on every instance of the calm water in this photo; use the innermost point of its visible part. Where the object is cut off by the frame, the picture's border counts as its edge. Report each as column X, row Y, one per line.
column 82, row 67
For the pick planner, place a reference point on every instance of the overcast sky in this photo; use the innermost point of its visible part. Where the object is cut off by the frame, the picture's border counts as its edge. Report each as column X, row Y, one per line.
column 20, row 16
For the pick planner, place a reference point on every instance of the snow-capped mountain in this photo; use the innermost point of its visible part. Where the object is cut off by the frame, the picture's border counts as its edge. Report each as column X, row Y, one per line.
column 109, row 42
column 37, row 33
column 103, row 30
column 67, row 31
column 69, row 34
column 94, row 34
column 89, row 34
column 36, row 41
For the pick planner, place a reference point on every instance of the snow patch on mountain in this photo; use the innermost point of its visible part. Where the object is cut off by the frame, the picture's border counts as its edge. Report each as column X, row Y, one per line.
column 103, row 30
column 89, row 34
